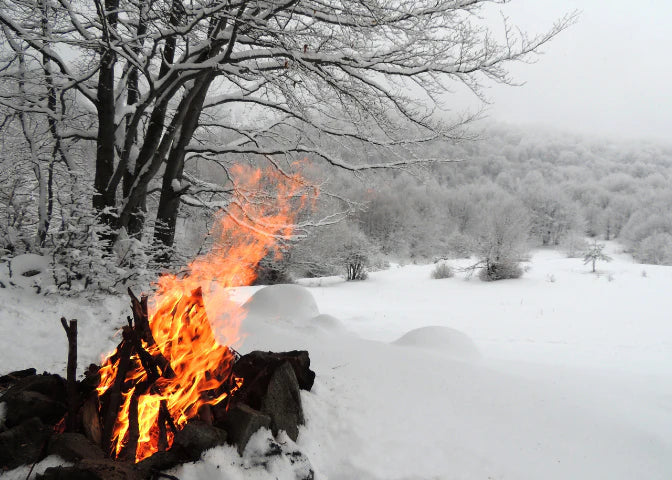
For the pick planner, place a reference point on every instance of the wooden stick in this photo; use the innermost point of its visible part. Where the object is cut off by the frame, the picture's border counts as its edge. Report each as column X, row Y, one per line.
column 131, row 447
column 141, row 317
column 114, row 400
column 164, row 415
column 71, row 385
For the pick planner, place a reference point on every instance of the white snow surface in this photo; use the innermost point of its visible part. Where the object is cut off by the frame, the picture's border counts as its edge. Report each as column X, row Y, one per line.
column 573, row 380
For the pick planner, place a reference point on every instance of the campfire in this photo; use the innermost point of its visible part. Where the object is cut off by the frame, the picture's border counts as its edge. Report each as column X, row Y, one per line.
column 174, row 386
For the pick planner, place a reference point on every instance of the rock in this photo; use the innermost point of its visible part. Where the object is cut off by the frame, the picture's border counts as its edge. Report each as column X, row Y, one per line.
column 241, row 422
column 24, row 405
column 73, row 447
column 250, row 365
column 282, row 402
column 47, row 384
column 158, row 462
column 40, row 396
column 196, row 437
column 93, row 470
column 13, row 377
column 23, row 444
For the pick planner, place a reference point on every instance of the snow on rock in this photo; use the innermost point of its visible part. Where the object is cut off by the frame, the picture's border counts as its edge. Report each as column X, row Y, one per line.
column 28, row 263
column 444, row 339
column 291, row 304
column 263, row 458
column 22, row 472
column 26, row 271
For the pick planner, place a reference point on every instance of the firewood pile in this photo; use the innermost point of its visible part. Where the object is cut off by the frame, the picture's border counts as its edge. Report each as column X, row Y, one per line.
column 46, row 414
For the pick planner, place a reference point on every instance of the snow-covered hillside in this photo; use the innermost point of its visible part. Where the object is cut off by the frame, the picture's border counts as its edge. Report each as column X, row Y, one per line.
column 561, row 374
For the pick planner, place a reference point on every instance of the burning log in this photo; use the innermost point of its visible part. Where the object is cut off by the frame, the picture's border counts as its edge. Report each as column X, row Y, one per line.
column 144, row 398
column 113, row 401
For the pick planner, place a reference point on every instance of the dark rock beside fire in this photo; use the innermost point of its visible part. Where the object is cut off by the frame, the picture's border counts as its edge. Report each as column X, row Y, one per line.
column 41, row 396
column 23, row 444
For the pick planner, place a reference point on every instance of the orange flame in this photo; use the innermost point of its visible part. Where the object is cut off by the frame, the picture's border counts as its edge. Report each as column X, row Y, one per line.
column 263, row 209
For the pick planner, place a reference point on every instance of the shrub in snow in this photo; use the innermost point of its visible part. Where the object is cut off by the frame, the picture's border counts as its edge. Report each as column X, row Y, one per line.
column 272, row 270
column 355, row 264
column 595, row 253
column 501, row 238
column 493, row 271
column 442, row 270
column 339, row 248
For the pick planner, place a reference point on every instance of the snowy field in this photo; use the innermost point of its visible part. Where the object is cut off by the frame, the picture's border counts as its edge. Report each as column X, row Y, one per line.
column 562, row 374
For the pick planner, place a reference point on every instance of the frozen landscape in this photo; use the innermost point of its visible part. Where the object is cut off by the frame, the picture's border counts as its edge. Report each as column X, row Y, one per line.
column 460, row 209
column 561, row 374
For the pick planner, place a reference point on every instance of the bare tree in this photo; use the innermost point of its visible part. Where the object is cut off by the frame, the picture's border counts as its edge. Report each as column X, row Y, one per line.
column 156, row 84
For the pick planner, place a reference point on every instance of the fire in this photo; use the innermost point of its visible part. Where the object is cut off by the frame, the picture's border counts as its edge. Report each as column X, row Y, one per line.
column 198, row 366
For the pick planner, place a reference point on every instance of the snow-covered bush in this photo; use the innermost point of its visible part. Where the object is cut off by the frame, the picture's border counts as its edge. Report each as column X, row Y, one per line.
column 501, row 238
column 442, row 270
column 272, row 270
column 341, row 248
column 500, row 271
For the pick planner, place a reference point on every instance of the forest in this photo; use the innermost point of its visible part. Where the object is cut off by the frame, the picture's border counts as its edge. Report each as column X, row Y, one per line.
column 528, row 188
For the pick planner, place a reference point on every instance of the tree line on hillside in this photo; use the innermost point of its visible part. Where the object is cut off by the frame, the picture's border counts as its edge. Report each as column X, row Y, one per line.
column 512, row 191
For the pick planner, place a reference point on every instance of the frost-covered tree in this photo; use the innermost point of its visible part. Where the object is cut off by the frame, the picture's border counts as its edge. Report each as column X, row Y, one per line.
column 501, row 238
column 152, row 86
column 595, row 253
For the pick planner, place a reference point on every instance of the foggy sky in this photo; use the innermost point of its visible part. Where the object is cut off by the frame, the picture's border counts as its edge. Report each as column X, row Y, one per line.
column 610, row 74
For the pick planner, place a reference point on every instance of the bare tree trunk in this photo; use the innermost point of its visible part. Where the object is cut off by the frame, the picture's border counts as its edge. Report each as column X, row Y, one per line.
column 132, row 217
column 106, row 138
column 169, row 202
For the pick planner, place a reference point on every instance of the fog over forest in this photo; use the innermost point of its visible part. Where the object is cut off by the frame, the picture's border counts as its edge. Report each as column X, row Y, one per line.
column 558, row 189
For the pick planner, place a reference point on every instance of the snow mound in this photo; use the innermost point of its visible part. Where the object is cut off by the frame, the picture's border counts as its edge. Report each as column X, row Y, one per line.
column 445, row 339
column 282, row 303
column 327, row 322
column 29, row 264
column 26, row 271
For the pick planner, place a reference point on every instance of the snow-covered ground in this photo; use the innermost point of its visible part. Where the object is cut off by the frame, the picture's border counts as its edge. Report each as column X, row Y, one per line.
column 562, row 374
